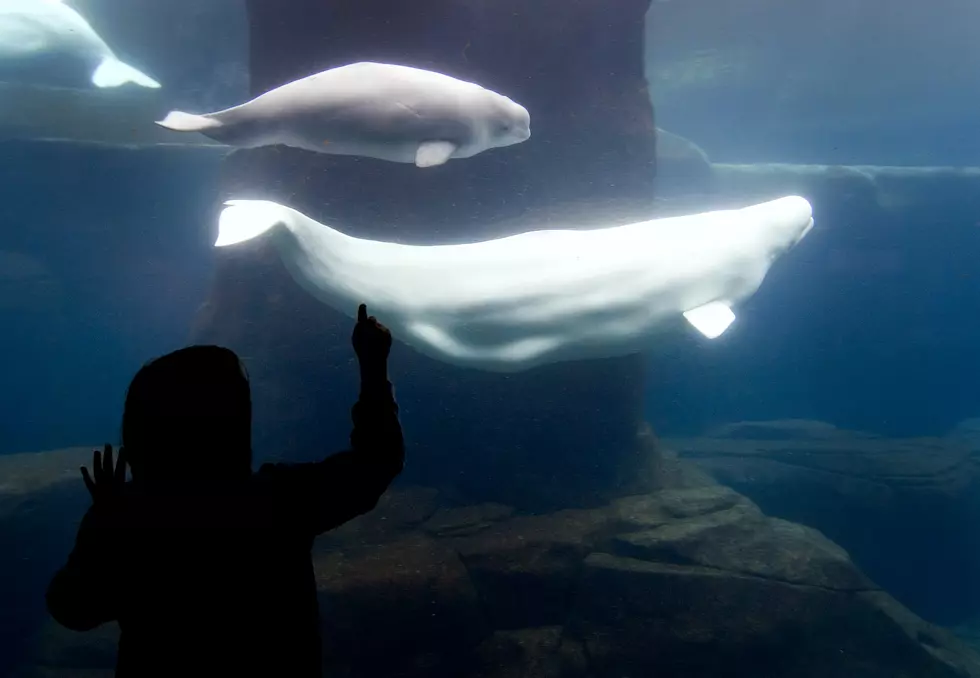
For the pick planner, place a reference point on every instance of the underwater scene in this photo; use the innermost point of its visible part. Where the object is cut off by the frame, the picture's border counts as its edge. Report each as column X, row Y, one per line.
column 660, row 318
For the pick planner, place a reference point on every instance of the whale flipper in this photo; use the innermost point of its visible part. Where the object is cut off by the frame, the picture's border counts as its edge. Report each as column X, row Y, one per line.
column 179, row 121
column 712, row 319
column 432, row 153
column 113, row 73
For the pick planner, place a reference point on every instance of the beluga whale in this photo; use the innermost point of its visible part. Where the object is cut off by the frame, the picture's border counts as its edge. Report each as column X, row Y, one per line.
column 383, row 111
column 35, row 33
column 545, row 296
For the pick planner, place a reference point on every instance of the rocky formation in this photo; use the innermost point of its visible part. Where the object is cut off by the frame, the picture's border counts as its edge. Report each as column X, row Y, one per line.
column 691, row 581
column 906, row 509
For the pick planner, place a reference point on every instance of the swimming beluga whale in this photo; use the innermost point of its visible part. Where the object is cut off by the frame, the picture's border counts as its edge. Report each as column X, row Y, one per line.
column 32, row 30
column 382, row 111
column 539, row 297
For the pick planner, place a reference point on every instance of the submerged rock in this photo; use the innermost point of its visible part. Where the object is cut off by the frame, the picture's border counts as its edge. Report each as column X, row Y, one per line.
column 906, row 509
column 722, row 530
column 637, row 617
column 526, row 569
column 399, row 511
column 543, row 652
column 385, row 608
column 684, row 582
column 467, row 519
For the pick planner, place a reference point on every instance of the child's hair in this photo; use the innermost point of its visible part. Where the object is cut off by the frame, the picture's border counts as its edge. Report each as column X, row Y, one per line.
column 189, row 413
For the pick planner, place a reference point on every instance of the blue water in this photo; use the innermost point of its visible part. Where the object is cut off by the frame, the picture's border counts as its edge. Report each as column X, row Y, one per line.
column 870, row 324
column 873, row 308
column 131, row 265
column 867, row 326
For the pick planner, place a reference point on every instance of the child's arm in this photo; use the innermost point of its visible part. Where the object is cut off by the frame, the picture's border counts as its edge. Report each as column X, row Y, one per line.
column 346, row 485
column 83, row 593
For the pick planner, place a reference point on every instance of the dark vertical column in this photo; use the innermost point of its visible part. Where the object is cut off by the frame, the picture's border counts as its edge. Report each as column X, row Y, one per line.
column 558, row 435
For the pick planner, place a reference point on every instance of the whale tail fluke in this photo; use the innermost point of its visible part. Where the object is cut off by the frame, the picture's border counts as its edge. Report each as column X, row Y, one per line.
column 243, row 220
column 113, row 73
column 179, row 121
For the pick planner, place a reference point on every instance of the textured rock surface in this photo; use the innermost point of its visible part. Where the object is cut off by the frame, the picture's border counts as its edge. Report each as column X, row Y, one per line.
column 404, row 606
column 685, row 582
column 544, row 652
column 641, row 617
column 466, row 519
column 526, row 569
column 739, row 538
column 905, row 509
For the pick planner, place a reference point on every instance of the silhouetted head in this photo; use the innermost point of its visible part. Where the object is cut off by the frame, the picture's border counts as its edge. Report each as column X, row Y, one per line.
column 188, row 419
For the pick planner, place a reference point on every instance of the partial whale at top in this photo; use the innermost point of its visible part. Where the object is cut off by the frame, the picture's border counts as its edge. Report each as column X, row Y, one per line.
column 382, row 111
column 539, row 297
column 37, row 31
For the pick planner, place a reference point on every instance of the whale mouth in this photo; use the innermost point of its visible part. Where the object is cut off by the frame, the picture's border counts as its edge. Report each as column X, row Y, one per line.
column 806, row 229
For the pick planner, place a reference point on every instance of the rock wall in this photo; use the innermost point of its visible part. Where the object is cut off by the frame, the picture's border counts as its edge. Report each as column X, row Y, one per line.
column 690, row 582
column 906, row 509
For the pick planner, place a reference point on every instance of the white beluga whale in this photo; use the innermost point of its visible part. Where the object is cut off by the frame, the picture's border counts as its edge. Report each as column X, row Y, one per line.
column 382, row 111
column 37, row 31
column 539, row 297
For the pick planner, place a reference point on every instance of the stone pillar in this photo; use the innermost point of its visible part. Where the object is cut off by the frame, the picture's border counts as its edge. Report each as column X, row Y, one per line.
column 554, row 436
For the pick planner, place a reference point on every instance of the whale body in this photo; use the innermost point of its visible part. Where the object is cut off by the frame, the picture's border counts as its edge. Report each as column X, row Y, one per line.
column 382, row 111
column 539, row 297
column 37, row 30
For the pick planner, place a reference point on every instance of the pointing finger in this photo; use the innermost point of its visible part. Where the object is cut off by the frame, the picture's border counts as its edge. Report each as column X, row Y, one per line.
column 362, row 313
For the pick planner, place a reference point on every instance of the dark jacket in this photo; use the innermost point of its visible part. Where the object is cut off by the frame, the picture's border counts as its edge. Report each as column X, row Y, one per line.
column 222, row 583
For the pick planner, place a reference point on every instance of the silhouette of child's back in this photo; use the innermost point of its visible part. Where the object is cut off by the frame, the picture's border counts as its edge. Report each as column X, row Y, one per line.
column 205, row 565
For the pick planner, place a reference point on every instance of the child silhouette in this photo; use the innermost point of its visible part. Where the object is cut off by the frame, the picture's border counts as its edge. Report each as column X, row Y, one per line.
column 206, row 565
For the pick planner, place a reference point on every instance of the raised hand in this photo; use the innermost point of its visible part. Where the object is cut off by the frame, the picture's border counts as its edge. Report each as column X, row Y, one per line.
column 371, row 340
column 107, row 484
